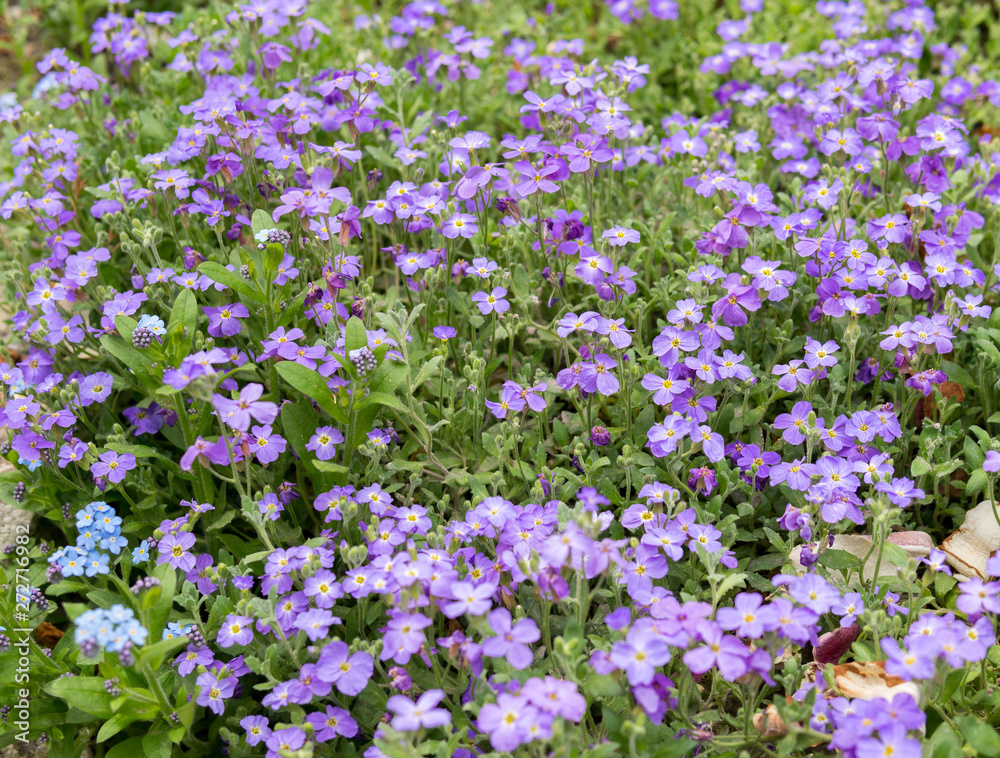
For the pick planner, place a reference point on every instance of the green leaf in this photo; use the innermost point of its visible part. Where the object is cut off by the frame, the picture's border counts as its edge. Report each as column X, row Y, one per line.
column 380, row 398
column 895, row 554
column 115, row 724
column 155, row 654
column 84, row 692
column 184, row 314
column 427, row 369
column 299, row 423
column 944, row 743
column 596, row 686
column 159, row 614
column 219, row 273
column 312, row 385
column 478, row 488
column 261, row 221
column 732, row 581
column 839, row 560
column 123, row 351
column 155, row 746
column 919, row 467
column 977, row 482
column 974, row 455
column 329, row 467
column 958, row 374
column 127, row 749
column 980, row 736
column 356, row 337
column 991, row 351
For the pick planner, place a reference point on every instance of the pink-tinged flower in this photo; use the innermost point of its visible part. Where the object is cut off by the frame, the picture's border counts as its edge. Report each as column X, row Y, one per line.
column 492, row 302
column 174, row 550
column 619, row 236
column 265, row 444
column 113, row 466
column 224, row 320
column 237, row 413
column 422, row 714
column 235, row 630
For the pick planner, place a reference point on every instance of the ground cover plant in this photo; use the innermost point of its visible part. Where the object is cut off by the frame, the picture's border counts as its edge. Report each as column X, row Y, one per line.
column 467, row 379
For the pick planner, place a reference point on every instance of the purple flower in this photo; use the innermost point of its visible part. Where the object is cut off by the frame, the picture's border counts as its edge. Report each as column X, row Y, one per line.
column 511, row 640
column 597, row 375
column 324, row 442
column 422, row 714
column 917, row 662
column 237, row 413
column 316, row 623
column 460, row 225
column 469, row 598
column 978, row 597
column 174, row 548
column 113, row 466
column 992, row 462
column 199, row 574
column 95, row 389
column 235, row 630
column 257, row 729
column 288, row 739
column 348, row 673
column 727, row 653
column 380, row 74
column 213, row 692
column 224, row 320
column 642, row 652
column 744, row 617
column 892, row 740
column 619, row 236
column 334, row 722
column 492, row 302
column 732, row 306
column 270, row 506
column 893, row 227
column 510, row 722
column 266, row 445
column 901, row 492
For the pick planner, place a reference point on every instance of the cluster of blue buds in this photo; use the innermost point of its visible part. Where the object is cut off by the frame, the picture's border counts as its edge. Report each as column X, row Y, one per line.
column 115, row 630
column 99, row 529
